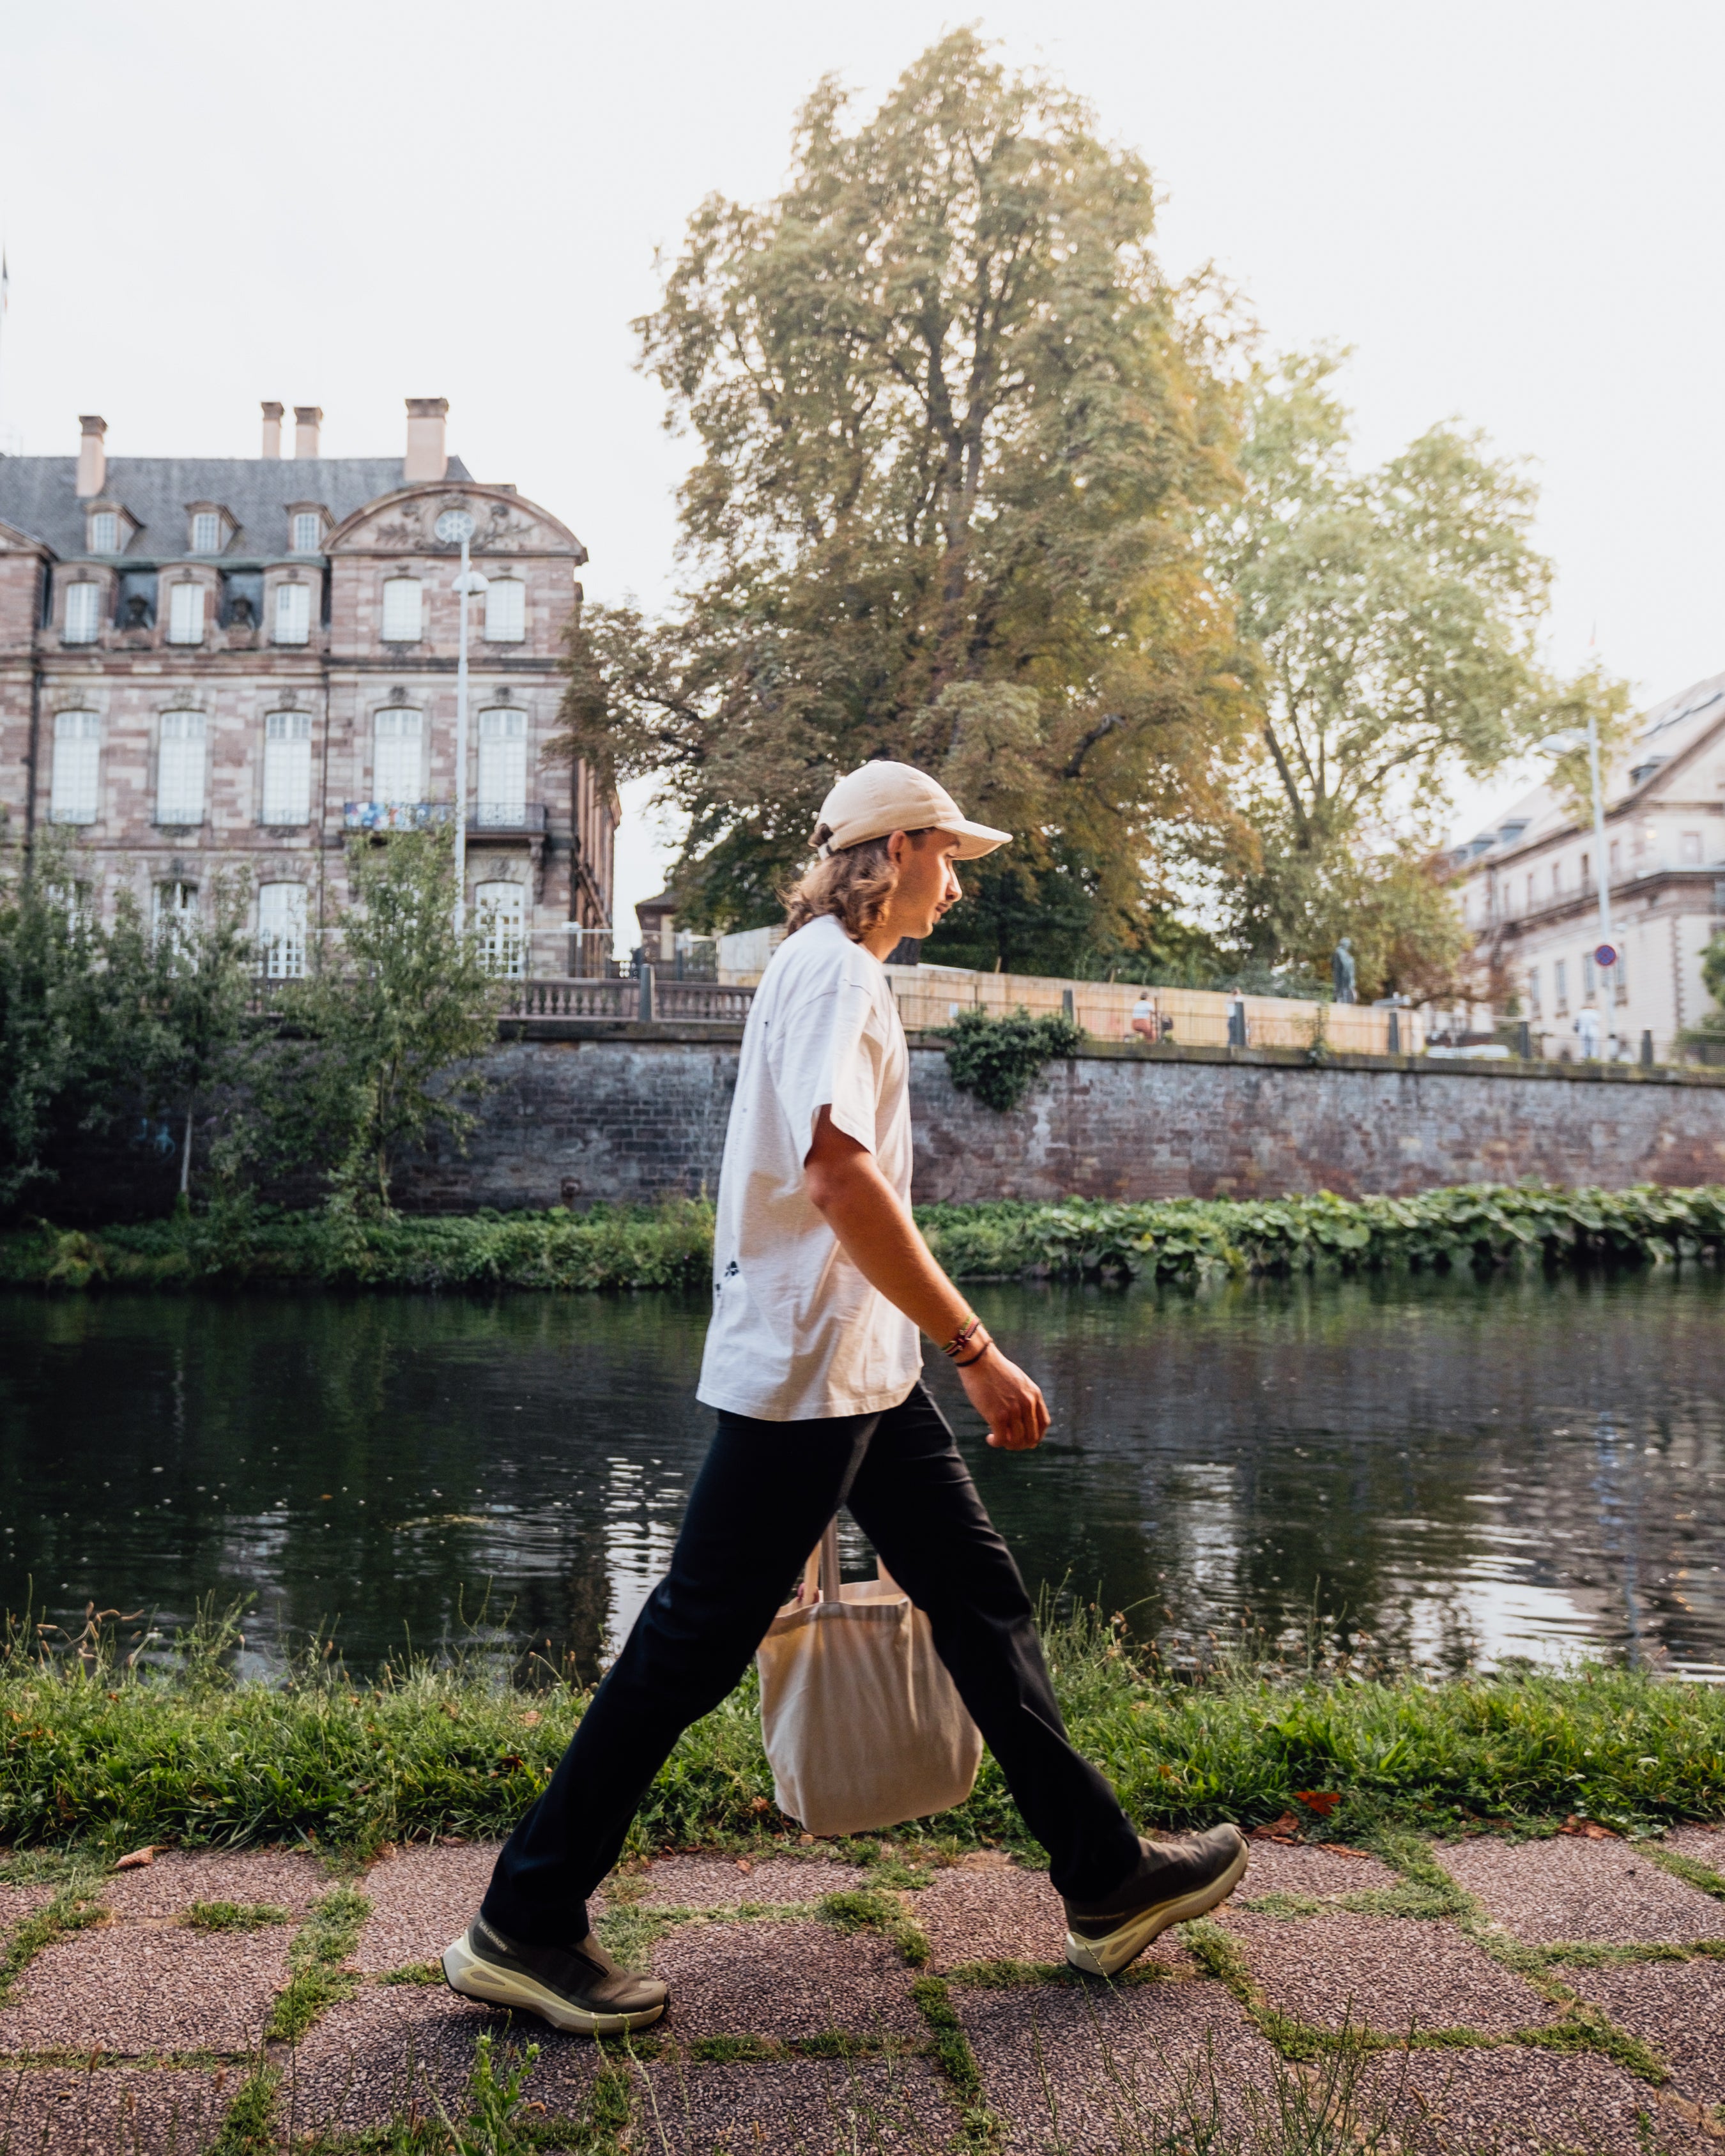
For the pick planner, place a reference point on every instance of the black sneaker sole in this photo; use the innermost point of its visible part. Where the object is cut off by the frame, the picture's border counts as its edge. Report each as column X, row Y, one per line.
column 1108, row 1955
column 492, row 1984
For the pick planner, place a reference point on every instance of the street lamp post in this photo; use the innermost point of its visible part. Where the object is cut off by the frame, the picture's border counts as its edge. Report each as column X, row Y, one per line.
column 453, row 525
column 1607, row 965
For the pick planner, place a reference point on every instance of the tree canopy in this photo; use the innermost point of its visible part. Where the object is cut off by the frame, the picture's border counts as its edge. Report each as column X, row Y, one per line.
column 956, row 434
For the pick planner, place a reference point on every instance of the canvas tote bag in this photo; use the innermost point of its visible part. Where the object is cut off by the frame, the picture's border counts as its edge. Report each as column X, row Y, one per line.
column 863, row 1726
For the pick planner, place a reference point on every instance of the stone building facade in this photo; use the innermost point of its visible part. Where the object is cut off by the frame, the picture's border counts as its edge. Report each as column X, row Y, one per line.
column 213, row 665
column 1529, row 893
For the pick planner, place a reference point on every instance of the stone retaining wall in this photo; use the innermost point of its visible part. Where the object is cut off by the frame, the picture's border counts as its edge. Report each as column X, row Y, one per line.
column 583, row 1112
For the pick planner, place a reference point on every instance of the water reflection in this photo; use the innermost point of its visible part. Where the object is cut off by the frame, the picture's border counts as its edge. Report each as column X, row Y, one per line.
column 1531, row 1468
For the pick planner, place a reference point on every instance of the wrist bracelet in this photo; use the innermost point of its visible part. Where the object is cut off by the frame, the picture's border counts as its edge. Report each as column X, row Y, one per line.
column 961, row 1339
column 987, row 1344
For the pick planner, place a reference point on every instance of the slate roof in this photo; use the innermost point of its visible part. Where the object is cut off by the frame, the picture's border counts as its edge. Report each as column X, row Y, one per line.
column 1670, row 728
column 39, row 496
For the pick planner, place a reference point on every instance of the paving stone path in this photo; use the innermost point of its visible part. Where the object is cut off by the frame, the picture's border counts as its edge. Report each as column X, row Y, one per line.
column 1482, row 1996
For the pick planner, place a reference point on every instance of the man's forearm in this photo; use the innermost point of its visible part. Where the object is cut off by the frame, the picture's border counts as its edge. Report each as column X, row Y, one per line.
column 877, row 1233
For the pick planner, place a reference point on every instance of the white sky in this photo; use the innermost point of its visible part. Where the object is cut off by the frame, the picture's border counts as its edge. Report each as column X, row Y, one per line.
column 1510, row 211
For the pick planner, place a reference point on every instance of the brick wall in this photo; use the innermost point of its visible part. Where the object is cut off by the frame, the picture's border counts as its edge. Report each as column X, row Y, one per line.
column 577, row 1119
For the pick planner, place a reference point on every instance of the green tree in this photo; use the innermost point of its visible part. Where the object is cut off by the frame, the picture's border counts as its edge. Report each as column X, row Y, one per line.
column 179, row 1001
column 52, row 1037
column 957, row 434
column 382, row 1037
column 1391, row 619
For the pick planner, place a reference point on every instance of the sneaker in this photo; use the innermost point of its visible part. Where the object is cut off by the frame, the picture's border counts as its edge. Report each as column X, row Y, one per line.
column 1175, row 1880
column 579, row 1989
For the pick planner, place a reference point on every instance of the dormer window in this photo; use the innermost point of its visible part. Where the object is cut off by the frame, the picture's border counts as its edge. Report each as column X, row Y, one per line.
column 104, row 533
column 305, row 531
column 209, row 527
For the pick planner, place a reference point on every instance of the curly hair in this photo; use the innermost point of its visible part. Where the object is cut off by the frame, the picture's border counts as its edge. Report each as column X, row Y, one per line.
column 855, row 885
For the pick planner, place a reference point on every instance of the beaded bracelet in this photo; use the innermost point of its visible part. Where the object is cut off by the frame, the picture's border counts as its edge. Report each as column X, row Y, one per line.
column 960, row 1340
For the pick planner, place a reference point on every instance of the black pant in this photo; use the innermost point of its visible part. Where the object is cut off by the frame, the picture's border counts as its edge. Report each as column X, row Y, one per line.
column 764, row 1495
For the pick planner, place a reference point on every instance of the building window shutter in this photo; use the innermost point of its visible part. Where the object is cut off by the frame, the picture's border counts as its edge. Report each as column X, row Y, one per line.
column 502, row 769
column 401, row 610
column 293, row 613
column 185, row 614
column 502, row 912
column 84, row 608
column 281, row 931
column 287, row 769
column 308, row 531
column 397, row 762
column 506, row 610
column 77, row 757
column 206, row 532
column 179, row 778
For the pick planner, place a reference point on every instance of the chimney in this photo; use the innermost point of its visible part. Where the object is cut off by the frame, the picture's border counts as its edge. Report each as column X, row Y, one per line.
column 92, row 456
column 426, row 457
column 272, row 430
column 307, row 419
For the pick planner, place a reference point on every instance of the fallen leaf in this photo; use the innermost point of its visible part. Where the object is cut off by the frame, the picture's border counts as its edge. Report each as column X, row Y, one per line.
column 759, row 1805
column 144, row 1856
column 743, row 1865
column 1588, row 1829
column 1341, row 1849
column 1285, row 1828
column 805, row 1837
column 1324, row 1802
column 511, row 1759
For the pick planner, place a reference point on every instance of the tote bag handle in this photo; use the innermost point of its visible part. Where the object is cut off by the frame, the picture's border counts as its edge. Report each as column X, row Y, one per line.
column 820, row 1575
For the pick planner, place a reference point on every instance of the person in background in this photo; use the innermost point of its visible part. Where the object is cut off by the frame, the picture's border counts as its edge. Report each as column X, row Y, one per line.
column 823, row 1286
column 1587, row 1027
column 1144, row 1016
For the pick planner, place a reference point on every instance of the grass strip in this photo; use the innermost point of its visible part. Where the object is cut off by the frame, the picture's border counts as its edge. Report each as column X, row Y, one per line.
column 979, row 2129
column 872, row 1909
column 249, row 2125
column 234, row 1916
column 110, row 1763
column 330, row 1933
column 669, row 1244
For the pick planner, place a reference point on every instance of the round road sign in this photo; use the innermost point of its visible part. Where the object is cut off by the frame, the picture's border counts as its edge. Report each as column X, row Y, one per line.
column 1606, row 955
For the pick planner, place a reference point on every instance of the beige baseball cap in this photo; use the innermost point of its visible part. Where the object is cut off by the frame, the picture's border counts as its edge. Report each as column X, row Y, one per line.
column 884, row 796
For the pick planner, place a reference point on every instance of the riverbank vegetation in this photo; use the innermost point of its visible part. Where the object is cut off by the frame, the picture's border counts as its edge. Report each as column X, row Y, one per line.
column 180, row 1752
column 1482, row 1226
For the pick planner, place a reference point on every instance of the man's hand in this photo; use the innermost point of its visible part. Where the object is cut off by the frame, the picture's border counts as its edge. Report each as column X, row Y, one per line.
column 1010, row 1404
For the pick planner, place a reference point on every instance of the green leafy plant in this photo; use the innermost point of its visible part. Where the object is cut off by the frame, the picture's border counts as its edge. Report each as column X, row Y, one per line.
column 1000, row 1059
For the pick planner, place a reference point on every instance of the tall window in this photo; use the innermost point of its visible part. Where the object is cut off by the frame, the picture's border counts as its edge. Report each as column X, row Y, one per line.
column 1616, row 860
column 293, row 613
column 1560, row 986
column 84, row 612
column 287, row 767
column 173, row 911
column 1530, row 894
column 397, row 762
column 179, row 776
column 500, row 908
column 281, row 930
column 307, row 532
column 185, row 613
column 206, row 532
column 502, row 769
column 1690, row 854
column 1556, row 878
column 401, row 610
column 1619, row 978
column 1534, row 1009
column 506, row 610
column 77, row 758
column 1586, row 976
column 103, row 532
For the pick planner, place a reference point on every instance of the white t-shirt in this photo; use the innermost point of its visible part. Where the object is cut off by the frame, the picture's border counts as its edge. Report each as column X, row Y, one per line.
column 796, row 1332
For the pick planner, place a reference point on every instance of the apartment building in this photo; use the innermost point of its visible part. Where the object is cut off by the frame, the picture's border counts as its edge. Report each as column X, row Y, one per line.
column 1530, row 889
column 237, row 663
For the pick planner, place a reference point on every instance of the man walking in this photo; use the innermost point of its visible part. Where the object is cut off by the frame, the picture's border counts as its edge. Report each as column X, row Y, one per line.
column 822, row 1283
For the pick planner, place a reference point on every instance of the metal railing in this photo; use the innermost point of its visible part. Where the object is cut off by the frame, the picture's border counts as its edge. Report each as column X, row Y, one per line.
column 530, row 816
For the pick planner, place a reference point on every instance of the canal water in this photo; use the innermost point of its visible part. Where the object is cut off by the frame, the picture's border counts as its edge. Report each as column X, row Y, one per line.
column 1432, row 1471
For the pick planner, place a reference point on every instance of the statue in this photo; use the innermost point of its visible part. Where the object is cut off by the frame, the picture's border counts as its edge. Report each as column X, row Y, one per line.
column 1342, row 973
